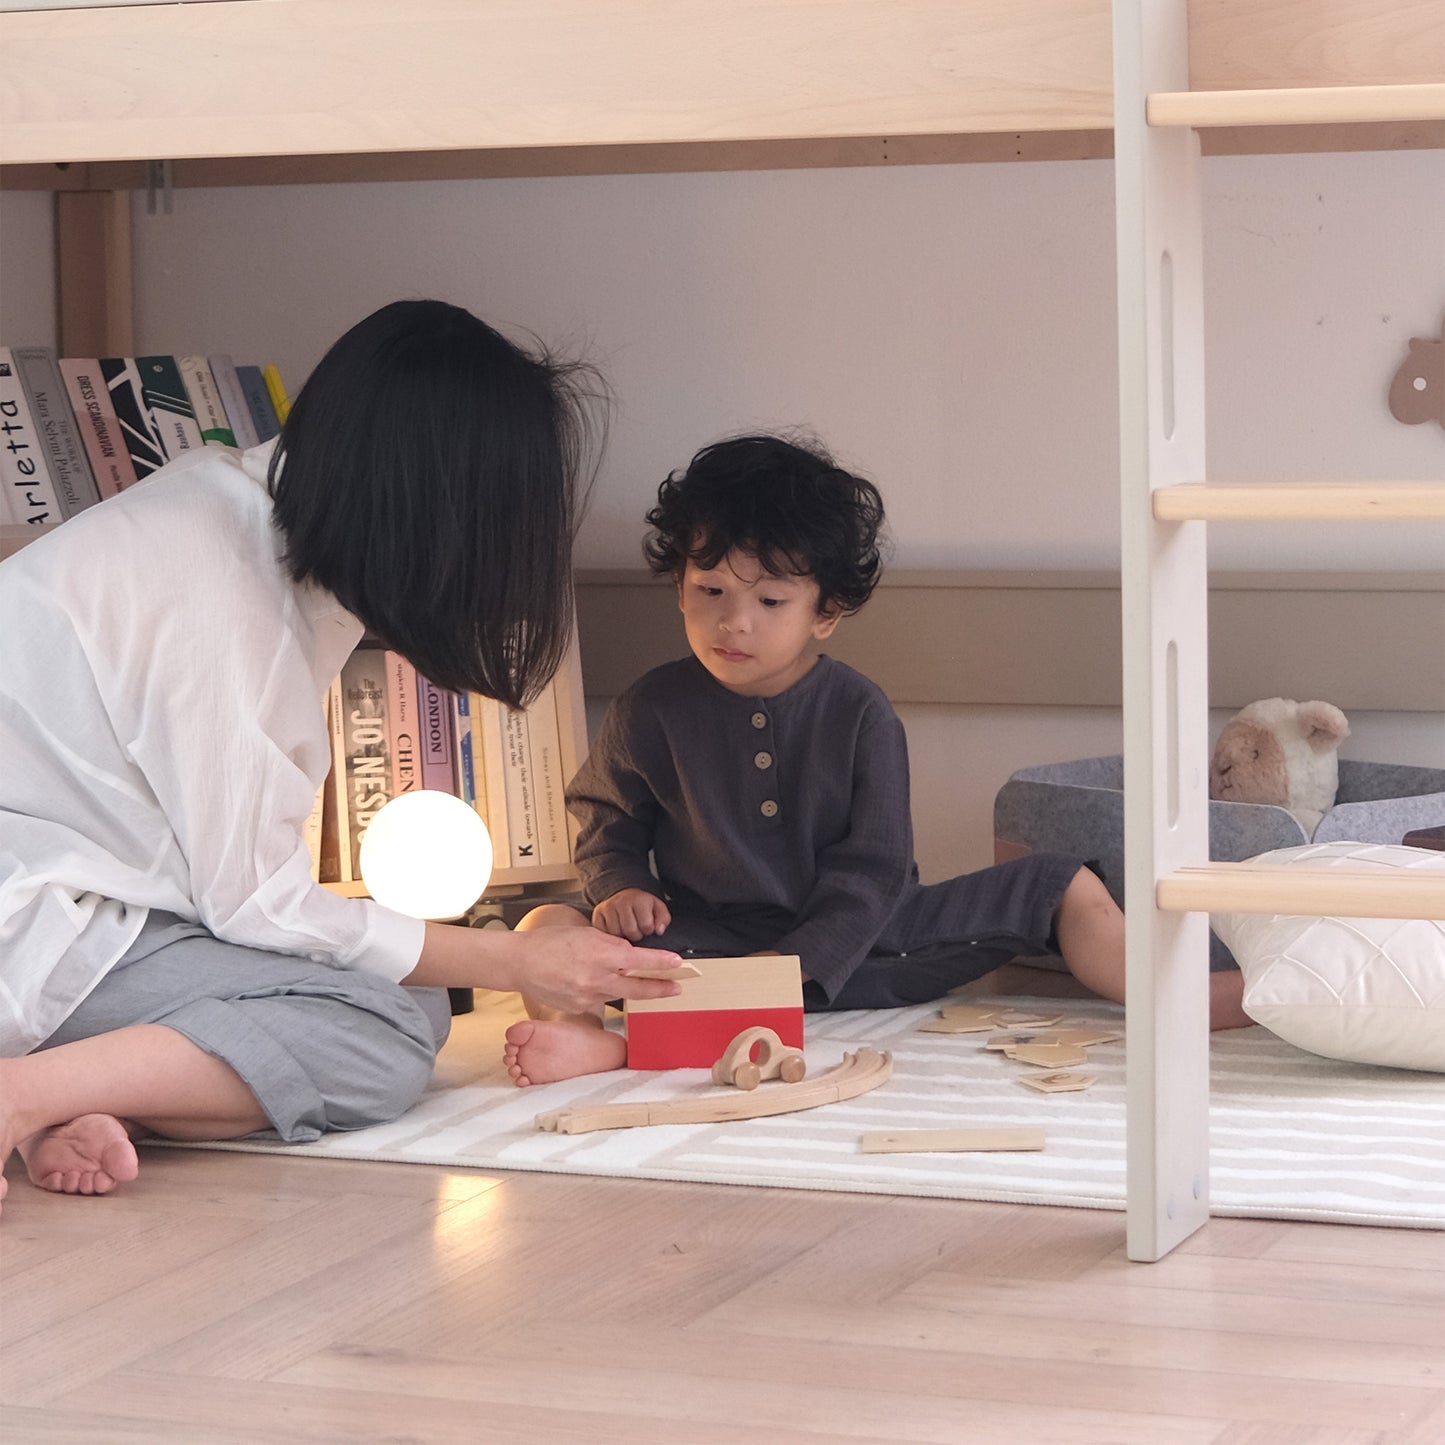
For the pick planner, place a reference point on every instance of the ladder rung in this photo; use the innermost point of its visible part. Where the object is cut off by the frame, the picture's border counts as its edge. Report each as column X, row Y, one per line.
column 1309, row 893
column 1303, row 105
column 1300, row 501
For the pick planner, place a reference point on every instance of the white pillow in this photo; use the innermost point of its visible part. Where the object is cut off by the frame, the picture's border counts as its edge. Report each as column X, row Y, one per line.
column 1370, row 990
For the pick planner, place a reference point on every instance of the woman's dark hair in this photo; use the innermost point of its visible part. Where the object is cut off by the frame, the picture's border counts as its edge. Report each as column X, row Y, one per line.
column 427, row 477
column 789, row 505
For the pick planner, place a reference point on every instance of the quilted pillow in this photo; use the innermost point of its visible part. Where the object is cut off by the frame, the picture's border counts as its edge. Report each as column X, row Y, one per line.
column 1369, row 990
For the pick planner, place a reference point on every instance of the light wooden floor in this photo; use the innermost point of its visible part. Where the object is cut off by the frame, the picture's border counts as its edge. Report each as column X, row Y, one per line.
column 249, row 1298
column 226, row 1298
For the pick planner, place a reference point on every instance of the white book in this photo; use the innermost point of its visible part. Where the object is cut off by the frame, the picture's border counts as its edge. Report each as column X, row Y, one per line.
column 495, row 780
column 548, row 780
column 30, row 495
column 205, row 400
column 55, row 424
column 523, row 843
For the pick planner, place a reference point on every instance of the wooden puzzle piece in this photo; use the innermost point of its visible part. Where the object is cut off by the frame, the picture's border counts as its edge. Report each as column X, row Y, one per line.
column 1017, row 1018
column 1049, row 1056
column 1086, row 1037
column 942, row 1024
column 757, row 1054
column 1014, row 1038
column 962, row 1141
column 682, row 970
column 1058, row 1082
column 968, row 1016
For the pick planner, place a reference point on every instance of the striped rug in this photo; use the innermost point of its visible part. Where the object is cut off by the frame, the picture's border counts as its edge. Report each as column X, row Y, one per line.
column 1294, row 1136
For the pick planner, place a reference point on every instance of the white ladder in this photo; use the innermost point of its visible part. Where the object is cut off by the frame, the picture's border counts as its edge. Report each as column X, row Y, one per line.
column 1166, row 504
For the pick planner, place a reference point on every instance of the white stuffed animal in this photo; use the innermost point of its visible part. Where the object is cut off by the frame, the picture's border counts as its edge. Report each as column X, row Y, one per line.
column 1283, row 752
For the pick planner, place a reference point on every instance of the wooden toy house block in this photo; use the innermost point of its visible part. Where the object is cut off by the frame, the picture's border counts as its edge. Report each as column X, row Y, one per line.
column 729, row 995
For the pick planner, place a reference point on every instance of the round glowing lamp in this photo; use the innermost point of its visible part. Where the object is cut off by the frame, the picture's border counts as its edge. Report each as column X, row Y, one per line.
column 426, row 854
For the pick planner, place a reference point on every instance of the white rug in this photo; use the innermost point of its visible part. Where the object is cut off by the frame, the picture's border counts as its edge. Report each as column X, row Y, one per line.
column 1294, row 1136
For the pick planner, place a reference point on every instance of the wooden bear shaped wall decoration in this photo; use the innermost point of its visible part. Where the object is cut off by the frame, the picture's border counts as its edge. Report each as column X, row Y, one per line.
column 1418, row 391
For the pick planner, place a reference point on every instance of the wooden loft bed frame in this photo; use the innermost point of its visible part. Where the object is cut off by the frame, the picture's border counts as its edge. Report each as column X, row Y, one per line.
column 274, row 91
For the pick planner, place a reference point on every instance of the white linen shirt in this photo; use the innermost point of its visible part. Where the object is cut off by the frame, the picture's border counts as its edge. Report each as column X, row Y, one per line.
column 162, row 737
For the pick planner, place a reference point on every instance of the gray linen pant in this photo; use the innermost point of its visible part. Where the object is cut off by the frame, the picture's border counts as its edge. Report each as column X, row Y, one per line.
column 321, row 1048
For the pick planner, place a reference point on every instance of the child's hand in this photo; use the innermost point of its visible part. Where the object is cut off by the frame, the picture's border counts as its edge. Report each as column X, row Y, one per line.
column 634, row 914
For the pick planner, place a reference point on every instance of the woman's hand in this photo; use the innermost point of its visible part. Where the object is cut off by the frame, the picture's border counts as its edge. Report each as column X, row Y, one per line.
column 633, row 913
column 575, row 970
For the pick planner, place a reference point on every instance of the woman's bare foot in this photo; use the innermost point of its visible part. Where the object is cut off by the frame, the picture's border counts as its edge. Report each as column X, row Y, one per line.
column 543, row 1051
column 89, row 1155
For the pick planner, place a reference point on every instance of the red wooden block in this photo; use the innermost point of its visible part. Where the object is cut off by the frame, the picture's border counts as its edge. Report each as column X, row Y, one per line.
column 691, row 1030
column 696, row 1039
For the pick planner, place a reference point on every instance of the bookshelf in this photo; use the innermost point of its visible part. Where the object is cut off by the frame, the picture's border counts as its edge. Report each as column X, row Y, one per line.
column 504, row 87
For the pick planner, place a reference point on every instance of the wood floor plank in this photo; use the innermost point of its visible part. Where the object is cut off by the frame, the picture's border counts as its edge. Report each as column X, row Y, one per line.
column 1186, row 1373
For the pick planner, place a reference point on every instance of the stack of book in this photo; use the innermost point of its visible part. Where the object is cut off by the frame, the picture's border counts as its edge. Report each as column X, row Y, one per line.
column 78, row 429
column 394, row 731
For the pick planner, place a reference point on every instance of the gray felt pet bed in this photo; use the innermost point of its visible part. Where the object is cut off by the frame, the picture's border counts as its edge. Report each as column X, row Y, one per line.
column 1078, row 808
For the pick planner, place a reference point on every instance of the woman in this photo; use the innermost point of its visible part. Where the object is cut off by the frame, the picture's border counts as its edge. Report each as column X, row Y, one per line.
column 167, row 964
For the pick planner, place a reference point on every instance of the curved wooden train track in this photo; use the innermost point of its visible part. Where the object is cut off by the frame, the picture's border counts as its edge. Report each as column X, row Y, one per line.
column 857, row 1074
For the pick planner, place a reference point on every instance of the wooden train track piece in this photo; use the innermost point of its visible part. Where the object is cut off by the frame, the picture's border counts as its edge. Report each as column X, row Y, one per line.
column 857, row 1074
column 962, row 1141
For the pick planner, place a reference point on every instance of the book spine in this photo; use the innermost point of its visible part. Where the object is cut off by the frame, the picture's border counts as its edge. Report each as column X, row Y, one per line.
column 277, row 391
column 29, row 492
column 482, row 803
column 466, row 770
column 258, row 402
column 567, row 690
column 495, row 774
column 233, row 399
column 548, row 782
column 164, row 395
column 55, row 423
column 98, row 424
column 401, row 725
column 521, row 802
column 206, row 402
column 368, row 769
column 341, row 812
column 127, row 400
column 438, row 772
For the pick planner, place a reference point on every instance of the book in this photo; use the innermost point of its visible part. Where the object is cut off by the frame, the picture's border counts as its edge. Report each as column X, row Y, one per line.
column 480, row 801
column 548, row 780
column 522, row 843
column 55, row 424
column 466, row 788
column 30, row 495
column 401, row 725
column 127, row 400
column 205, row 401
column 233, row 399
column 339, row 816
column 258, row 402
column 367, row 779
column 438, row 770
column 99, row 427
column 164, row 395
column 494, row 777
column 277, row 392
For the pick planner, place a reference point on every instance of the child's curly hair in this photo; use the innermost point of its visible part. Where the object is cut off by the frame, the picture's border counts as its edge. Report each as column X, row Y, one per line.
column 787, row 504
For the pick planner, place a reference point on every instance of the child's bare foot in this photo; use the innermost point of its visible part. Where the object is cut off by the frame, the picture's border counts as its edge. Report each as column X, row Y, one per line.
column 89, row 1155
column 543, row 1051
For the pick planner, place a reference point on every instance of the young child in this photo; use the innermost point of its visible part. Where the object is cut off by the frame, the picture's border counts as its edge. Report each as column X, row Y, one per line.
column 769, row 784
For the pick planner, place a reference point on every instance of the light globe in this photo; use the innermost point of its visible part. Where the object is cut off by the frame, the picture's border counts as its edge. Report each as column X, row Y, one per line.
column 426, row 854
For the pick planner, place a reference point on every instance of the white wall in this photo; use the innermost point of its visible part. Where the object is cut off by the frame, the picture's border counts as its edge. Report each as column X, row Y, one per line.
column 949, row 330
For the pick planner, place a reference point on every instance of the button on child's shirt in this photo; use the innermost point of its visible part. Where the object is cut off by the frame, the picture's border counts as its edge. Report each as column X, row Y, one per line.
column 760, row 719
column 768, row 808
column 763, row 760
